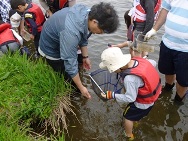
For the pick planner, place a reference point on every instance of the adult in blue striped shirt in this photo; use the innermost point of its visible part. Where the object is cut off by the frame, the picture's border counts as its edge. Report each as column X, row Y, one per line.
column 173, row 57
column 67, row 29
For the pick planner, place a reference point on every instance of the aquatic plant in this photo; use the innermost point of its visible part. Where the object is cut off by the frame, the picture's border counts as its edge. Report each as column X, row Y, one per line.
column 31, row 92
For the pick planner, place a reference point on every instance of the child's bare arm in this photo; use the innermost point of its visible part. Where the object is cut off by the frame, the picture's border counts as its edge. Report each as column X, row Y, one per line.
column 124, row 44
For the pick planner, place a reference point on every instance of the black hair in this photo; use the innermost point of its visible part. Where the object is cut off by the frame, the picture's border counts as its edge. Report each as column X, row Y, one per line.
column 106, row 15
column 15, row 3
column 11, row 12
column 127, row 19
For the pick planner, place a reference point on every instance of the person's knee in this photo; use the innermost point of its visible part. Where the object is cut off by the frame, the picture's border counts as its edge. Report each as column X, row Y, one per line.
column 11, row 47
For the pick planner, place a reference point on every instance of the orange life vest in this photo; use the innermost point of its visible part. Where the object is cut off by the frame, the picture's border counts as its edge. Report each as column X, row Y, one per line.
column 6, row 34
column 139, row 14
column 152, row 84
column 38, row 16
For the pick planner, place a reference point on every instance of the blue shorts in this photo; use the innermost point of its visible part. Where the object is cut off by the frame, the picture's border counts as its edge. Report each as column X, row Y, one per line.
column 133, row 113
column 174, row 62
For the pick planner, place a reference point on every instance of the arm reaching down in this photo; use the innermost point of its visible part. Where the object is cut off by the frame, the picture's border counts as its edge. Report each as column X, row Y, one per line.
column 80, row 86
column 160, row 21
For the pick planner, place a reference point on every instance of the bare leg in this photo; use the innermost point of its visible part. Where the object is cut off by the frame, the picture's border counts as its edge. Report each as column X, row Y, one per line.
column 170, row 79
column 128, row 125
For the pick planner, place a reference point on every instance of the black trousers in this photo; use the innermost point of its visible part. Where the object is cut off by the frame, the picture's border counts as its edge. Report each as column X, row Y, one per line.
column 36, row 40
column 58, row 66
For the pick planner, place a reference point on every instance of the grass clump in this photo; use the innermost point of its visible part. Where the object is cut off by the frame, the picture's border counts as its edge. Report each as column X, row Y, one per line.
column 31, row 91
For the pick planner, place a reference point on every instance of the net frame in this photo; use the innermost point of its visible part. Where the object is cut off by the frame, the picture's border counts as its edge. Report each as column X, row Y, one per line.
column 103, row 81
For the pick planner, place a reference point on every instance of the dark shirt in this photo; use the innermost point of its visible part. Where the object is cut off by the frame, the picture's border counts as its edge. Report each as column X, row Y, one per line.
column 148, row 6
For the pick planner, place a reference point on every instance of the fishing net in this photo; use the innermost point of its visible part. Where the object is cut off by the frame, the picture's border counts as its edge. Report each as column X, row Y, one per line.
column 103, row 81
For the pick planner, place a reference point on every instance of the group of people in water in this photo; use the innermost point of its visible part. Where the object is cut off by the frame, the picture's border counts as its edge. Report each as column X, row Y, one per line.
column 64, row 29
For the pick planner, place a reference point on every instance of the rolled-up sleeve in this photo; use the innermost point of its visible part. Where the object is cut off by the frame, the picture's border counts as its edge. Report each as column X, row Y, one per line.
column 166, row 5
column 83, row 42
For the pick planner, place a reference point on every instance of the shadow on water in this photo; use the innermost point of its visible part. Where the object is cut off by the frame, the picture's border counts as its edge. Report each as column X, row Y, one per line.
column 102, row 121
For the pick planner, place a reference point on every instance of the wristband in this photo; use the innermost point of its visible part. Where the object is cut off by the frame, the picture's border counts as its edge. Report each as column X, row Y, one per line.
column 110, row 95
column 84, row 57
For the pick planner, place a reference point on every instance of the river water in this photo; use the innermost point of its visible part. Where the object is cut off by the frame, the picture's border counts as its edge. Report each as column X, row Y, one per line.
column 102, row 121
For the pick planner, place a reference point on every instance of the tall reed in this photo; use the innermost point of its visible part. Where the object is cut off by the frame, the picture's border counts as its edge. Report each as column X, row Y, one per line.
column 31, row 91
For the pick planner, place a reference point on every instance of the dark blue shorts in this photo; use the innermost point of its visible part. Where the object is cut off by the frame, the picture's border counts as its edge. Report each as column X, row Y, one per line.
column 174, row 62
column 133, row 113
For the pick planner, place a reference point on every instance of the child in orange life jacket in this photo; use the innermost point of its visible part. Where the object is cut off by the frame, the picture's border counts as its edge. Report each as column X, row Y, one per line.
column 142, row 88
column 33, row 17
column 10, row 40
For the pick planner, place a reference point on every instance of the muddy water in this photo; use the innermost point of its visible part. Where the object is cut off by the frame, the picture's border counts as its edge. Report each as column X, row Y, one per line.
column 102, row 121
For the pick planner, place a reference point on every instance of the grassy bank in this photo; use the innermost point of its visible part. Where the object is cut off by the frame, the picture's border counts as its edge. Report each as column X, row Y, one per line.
column 31, row 92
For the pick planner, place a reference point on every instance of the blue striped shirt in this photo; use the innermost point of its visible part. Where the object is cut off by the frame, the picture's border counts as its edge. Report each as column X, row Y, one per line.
column 176, row 26
column 4, row 10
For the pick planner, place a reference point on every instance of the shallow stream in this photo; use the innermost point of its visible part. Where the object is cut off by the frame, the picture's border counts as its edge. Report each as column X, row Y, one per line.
column 102, row 121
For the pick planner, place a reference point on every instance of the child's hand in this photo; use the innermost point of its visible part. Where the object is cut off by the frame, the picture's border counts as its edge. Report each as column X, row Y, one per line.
column 118, row 45
column 124, row 44
column 103, row 95
column 129, row 43
column 22, row 32
column 32, row 37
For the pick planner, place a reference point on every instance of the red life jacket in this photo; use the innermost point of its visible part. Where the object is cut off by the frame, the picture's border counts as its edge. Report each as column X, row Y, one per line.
column 38, row 17
column 152, row 83
column 6, row 34
column 139, row 14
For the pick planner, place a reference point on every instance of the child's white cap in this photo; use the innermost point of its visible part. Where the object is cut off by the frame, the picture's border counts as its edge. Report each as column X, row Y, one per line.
column 113, row 59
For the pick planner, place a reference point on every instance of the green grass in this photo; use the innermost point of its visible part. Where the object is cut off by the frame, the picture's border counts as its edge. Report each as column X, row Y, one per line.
column 30, row 91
